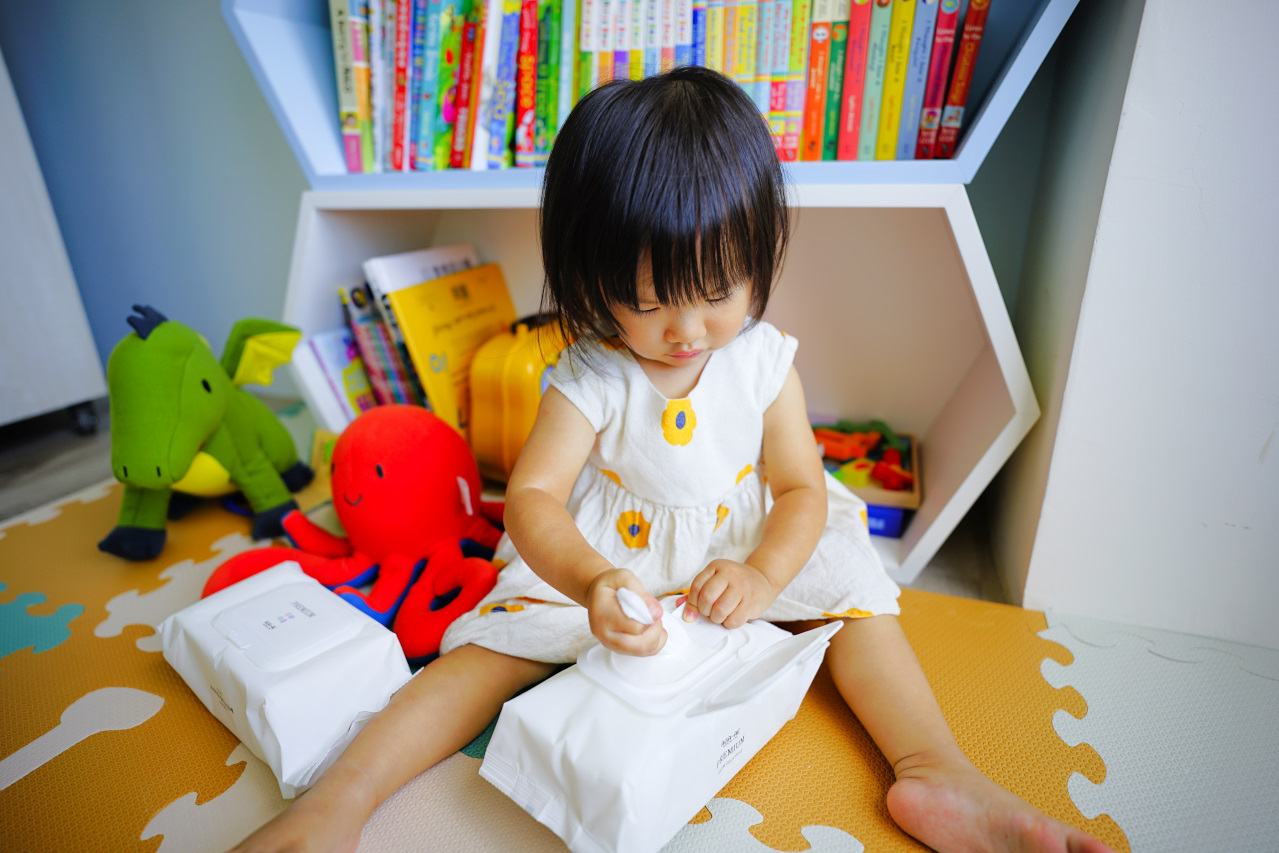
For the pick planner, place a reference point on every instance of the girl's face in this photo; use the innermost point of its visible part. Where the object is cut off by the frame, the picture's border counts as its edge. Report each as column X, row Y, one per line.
column 680, row 336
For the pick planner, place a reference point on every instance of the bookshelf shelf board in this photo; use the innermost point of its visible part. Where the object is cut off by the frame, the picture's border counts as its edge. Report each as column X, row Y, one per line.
column 940, row 360
column 287, row 45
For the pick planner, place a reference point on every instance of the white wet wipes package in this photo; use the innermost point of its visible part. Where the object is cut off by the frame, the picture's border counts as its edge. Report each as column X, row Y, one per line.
column 618, row 752
column 290, row 668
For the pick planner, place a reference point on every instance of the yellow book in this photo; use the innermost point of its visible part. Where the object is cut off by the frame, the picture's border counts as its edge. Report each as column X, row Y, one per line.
column 444, row 321
column 890, row 112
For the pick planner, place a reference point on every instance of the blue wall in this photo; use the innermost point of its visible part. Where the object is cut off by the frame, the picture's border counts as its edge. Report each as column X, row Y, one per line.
column 171, row 181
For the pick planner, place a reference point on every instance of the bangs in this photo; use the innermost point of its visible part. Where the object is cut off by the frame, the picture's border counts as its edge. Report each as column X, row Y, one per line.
column 676, row 175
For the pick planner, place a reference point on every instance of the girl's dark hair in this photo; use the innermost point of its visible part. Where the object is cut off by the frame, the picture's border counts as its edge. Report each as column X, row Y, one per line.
column 678, row 170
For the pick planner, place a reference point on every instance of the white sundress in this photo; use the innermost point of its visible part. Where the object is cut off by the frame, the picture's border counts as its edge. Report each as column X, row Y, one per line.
column 669, row 486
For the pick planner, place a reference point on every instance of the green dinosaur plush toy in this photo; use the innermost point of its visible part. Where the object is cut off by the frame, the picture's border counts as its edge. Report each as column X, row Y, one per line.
column 181, row 426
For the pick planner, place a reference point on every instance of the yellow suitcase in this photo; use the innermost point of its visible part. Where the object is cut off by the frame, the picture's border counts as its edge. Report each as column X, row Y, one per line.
column 508, row 377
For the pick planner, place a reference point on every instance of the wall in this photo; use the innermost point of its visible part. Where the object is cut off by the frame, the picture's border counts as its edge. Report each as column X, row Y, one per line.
column 171, row 182
column 1156, row 459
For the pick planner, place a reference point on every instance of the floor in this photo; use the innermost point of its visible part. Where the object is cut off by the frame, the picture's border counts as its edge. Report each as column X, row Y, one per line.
column 44, row 458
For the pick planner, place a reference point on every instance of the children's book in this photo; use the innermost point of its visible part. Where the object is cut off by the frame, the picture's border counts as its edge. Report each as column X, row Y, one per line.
column 965, row 59
column 621, row 39
column 502, row 121
column 669, row 11
column 465, row 71
column 639, row 37
column 604, row 45
column 400, row 105
column 938, row 75
column 850, row 118
column 588, row 67
column 444, row 322
column 890, row 111
column 653, row 37
column 746, row 52
column 360, row 64
column 715, row 35
column 765, row 30
column 339, row 360
column 683, row 32
column 453, row 17
column 417, row 68
column 921, row 45
column 699, row 33
column 818, row 67
column 486, row 81
column 526, row 84
column 873, row 92
column 570, row 36
column 428, row 89
column 479, row 17
column 796, row 79
column 548, row 79
column 378, row 80
column 388, row 374
column 781, row 69
column 835, row 79
column 348, row 104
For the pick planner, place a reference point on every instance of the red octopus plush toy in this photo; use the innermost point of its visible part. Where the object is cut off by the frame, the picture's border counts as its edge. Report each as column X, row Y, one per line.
column 407, row 492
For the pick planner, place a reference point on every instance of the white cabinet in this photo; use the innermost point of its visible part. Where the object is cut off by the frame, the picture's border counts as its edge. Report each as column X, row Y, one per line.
column 47, row 356
column 887, row 284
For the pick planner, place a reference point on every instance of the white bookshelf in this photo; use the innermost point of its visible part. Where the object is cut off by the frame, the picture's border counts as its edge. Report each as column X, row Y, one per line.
column 894, row 242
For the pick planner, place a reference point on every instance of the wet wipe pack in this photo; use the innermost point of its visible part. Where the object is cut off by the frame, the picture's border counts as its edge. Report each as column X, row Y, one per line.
column 290, row 668
column 618, row 753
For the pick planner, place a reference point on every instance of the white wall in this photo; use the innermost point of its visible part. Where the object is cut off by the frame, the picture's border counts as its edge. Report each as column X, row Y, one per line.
column 1160, row 495
column 171, row 182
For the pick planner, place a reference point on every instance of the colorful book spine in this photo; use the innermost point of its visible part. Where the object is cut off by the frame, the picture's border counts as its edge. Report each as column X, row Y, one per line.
column 873, row 92
column 850, row 120
column 360, row 64
column 348, row 103
column 479, row 16
column 921, row 45
column 639, row 36
column 796, row 79
column 401, row 108
column 465, row 83
column 732, row 37
column 835, row 79
column 622, row 39
column 387, row 374
column 938, row 75
column 485, row 77
column 668, row 34
column 652, row 37
column 390, row 16
column 417, row 80
column 715, row 35
column 548, row 79
column 683, row 32
column 890, row 113
column 604, row 47
column 570, row 35
column 339, row 359
column 588, row 69
column 781, row 68
column 818, row 67
column 699, row 32
column 378, row 78
column 502, row 123
column 453, row 17
column 965, row 59
column 424, row 136
column 766, row 26
column 526, row 85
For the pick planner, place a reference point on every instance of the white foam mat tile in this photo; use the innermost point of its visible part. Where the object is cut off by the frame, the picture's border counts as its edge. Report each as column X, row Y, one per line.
column 1188, row 728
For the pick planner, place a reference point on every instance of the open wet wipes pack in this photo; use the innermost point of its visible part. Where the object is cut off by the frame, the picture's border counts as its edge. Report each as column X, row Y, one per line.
column 286, row 665
column 618, row 752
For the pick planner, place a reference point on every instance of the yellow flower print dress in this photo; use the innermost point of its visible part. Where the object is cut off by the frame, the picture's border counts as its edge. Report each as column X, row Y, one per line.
column 671, row 485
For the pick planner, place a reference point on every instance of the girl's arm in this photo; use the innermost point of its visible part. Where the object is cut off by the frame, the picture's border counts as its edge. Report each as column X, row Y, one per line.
column 732, row 593
column 547, row 538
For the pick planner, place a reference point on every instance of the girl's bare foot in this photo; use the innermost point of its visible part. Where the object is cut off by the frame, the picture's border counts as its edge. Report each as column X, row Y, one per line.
column 949, row 805
column 325, row 819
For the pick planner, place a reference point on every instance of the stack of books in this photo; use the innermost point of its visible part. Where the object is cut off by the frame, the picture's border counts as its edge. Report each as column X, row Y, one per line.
column 485, row 84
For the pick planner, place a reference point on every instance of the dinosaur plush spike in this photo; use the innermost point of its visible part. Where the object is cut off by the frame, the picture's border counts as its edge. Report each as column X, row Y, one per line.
column 179, row 424
column 149, row 319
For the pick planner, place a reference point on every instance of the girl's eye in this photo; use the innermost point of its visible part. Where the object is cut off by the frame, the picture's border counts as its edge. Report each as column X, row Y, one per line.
column 638, row 310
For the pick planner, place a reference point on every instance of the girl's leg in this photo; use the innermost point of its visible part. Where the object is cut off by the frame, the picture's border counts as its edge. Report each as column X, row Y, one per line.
column 939, row 797
column 439, row 711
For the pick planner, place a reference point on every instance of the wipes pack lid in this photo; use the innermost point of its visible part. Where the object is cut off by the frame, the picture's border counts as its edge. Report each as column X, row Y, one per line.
column 287, row 625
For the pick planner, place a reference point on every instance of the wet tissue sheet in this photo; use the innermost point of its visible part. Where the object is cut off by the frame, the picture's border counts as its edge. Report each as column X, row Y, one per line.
column 618, row 753
column 291, row 669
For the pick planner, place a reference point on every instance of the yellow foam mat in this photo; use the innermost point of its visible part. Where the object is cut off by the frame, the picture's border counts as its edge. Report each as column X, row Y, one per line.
column 102, row 792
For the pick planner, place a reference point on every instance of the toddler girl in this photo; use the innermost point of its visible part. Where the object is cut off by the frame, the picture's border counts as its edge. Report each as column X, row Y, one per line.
column 672, row 455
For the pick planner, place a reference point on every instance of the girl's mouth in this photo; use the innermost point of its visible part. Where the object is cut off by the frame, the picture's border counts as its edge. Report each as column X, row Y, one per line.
column 687, row 354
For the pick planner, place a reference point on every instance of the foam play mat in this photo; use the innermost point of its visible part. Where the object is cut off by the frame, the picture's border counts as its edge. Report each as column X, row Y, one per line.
column 105, row 748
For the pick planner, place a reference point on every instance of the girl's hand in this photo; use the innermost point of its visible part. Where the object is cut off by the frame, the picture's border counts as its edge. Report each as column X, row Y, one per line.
column 729, row 593
column 615, row 629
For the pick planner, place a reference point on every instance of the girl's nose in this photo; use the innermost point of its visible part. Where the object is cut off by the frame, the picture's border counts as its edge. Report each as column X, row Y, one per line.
column 688, row 326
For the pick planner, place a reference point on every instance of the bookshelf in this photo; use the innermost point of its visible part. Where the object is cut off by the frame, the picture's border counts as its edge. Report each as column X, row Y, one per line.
column 939, row 360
